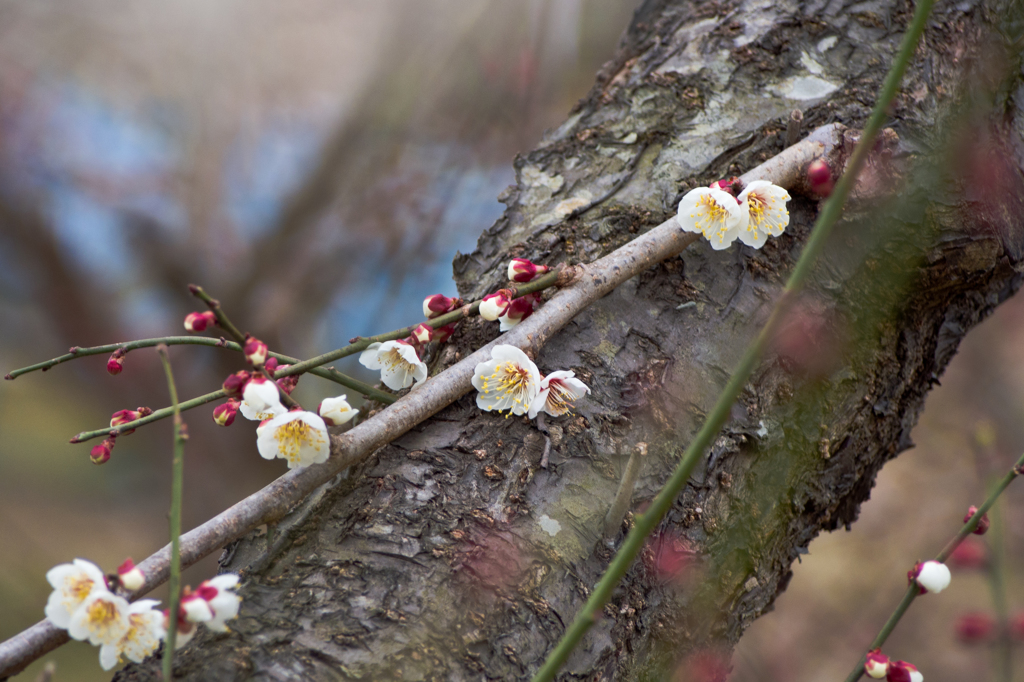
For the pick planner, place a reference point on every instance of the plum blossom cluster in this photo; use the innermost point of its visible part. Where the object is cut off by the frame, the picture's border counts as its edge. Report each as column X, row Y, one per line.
column 83, row 603
column 727, row 211
column 511, row 381
column 502, row 304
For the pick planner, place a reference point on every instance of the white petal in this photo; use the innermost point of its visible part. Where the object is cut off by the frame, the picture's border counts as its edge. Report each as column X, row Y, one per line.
column 110, row 655
column 933, row 576
column 538, row 404
column 261, row 400
column 197, row 610
column 507, row 323
column 368, row 358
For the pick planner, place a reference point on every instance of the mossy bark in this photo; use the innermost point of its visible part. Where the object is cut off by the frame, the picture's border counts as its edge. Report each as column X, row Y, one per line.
column 455, row 554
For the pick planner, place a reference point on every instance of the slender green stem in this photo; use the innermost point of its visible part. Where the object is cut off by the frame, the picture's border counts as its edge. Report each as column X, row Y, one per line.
column 177, row 483
column 830, row 213
column 913, row 591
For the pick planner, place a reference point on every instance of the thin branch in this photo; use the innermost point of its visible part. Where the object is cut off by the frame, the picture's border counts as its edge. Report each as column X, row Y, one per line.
column 276, row 499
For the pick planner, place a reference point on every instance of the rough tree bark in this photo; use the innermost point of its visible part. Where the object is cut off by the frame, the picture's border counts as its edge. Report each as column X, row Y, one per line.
column 454, row 553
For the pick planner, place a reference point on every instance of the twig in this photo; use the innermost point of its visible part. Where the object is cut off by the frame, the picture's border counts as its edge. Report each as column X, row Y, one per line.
column 177, row 482
column 623, row 496
column 276, row 499
column 912, row 590
column 796, row 119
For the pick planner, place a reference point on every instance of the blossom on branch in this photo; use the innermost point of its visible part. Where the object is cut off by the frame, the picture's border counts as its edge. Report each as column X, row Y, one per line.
column 130, row 576
column 437, row 305
column 558, row 391
column 931, row 576
column 145, row 630
column 102, row 618
column 218, row 592
column 493, row 306
column 508, row 381
column 116, row 362
column 397, row 361
column 767, row 216
column 336, row 411
column 422, row 334
column 521, row 270
column 261, row 400
column 255, row 351
column 983, row 522
column 520, row 309
column 714, row 213
column 72, row 584
column 198, row 322
column 901, row 671
column 297, row 436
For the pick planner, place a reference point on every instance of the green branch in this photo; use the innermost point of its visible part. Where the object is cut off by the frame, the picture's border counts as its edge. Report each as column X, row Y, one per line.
column 177, row 483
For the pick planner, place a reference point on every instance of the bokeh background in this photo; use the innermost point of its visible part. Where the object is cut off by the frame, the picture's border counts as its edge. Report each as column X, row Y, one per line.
column 316, row 165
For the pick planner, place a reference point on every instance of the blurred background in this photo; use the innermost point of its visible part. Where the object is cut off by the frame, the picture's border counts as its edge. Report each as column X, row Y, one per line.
column 316, row 166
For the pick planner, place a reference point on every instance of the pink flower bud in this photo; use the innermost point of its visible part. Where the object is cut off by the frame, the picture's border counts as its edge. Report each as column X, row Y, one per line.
column 518, row 310
column 521, row 270
column 819, row 177
column 125, row 416
column 422, row 334
column 437, row 305
column 974, row 627
column 876, row 664
column 198, row 322
column 255, row 351
column 130, row 576
column 224, row 414
column 493, row 306
column 100, row 454
column 235, row 384
column 116, row 363
column 288, row 383
column 901, row 671
column 983, row 522
column 442, row 334
column 970, row 553
column 272, row 364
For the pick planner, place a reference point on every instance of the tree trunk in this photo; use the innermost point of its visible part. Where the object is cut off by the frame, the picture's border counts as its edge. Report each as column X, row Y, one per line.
column 462, row 550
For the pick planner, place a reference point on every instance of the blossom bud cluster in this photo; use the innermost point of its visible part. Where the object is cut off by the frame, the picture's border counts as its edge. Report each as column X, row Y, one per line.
column 511, row 381
column 723, row 213
column 83, row 604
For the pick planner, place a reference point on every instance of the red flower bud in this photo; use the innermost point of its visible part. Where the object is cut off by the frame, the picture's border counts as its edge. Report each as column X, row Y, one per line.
column 271, row 365
column 521, row 270
column 901, row 671
column 197, row 322
column 983, row 522
column 819, row 177
column 101, row 453
column 422, row 334
column 288, row 383
column 974, row 627
column 733, row 185
column 876, row 664
column 235, row 384
column 124, row 416
column 255, row 351
column 116, row 362
column 517, row 311
column 437, row 305
column 130, row 576
column 224, row 414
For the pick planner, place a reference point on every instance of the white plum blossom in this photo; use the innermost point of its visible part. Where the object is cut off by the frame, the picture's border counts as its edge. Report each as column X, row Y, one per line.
column 933, row 576
column 145, row 630
column 767, row 216
column 558, row 391
column 102, row 618
column 298, row 436
column 493, row 306
column 72, row 584
column 336, row 411
column 714, row 213
column 508, row 381
column 219, row 594
column 195, row 609
column 398, row 363
column 261, row 400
